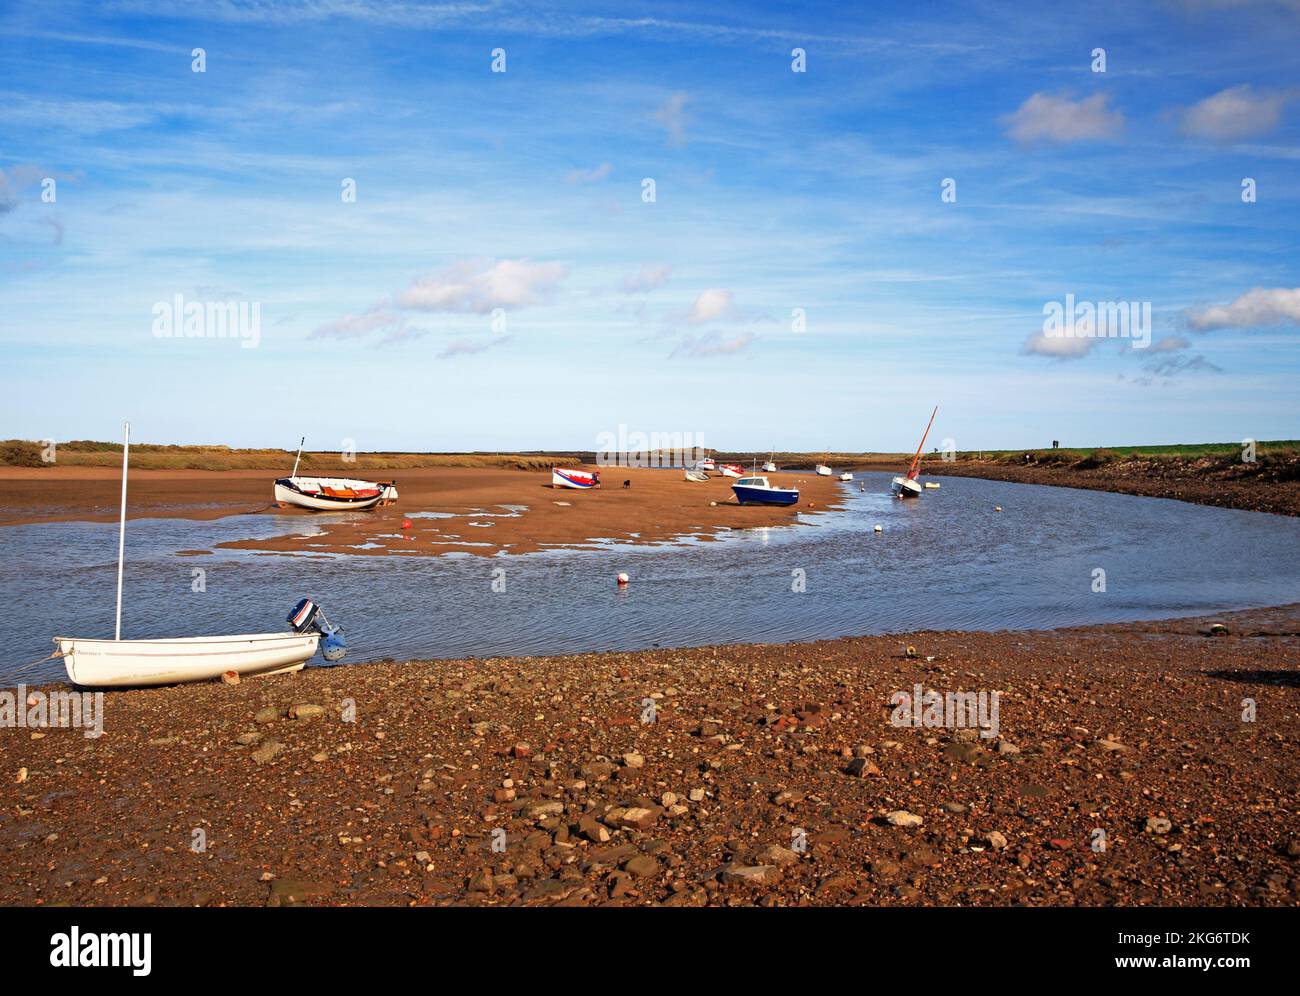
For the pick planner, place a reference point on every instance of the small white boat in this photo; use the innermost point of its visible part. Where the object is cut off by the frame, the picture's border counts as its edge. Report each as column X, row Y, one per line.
column 769, row 467
column 132, row 663
column 697, row 476
column 931, row 486
column 118, row 663
column 846, row 476
column 708, row 463
column 908, row 486
column 731, row 470
column 823, row 470
column 332, row 494
column 562, row 477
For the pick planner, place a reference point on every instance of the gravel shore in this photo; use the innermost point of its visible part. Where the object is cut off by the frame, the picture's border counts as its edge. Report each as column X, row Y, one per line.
column 1124, row 771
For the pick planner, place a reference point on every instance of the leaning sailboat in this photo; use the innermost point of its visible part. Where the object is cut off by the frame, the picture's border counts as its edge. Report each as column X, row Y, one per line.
column 102, row 663
column 907, row 486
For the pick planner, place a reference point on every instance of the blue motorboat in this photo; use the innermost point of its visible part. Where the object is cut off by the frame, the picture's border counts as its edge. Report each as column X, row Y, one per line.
column 759, row 491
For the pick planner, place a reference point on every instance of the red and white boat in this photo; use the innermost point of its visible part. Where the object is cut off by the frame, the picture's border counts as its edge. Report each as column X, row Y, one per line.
column 332, row 494
column 907, row 486
column 731, row 470
column 562, row 477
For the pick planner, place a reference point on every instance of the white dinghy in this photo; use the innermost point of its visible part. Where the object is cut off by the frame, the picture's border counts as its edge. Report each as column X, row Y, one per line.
column 118, row 663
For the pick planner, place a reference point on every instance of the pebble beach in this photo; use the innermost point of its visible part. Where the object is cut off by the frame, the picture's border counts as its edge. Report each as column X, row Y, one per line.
column 1132, row 764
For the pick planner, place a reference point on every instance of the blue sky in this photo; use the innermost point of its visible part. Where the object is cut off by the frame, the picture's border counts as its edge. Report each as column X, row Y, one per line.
column 774, row 191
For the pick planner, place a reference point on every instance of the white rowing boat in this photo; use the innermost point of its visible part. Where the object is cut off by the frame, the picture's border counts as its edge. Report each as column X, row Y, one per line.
column 697, row 476
column 118, row 663
column 332, row 494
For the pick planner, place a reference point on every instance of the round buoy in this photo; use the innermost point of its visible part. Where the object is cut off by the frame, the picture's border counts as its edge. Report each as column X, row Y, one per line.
column 879, row 528
column 622, row 578
column 997, row 508
column 406, row 523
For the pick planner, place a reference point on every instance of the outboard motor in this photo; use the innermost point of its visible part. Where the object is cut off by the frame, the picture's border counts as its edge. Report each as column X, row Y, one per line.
column 308, row 615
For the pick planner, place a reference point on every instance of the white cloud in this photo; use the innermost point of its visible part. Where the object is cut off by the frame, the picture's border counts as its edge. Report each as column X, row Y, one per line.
column 1258, row 307
column 647, row 278
column 1234, row 113
column 1058, row 347
column 593, row 175
column 479, row 286
column 711, row 305
column 672, row 116
column 712, row 344
column 1046, row 117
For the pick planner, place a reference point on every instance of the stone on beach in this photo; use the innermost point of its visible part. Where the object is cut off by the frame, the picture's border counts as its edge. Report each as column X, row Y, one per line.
column 902, row 818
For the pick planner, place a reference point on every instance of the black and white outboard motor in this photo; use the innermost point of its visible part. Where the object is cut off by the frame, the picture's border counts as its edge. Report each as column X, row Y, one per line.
column 308, row 615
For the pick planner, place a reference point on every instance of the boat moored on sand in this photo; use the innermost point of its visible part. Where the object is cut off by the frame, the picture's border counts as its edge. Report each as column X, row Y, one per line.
column 731, row 470
column 332, row 494
column 562, row 477
column 823, row 470
column 760, row 491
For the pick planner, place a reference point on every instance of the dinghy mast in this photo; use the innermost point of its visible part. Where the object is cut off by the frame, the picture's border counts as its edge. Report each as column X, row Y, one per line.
column 121, row 529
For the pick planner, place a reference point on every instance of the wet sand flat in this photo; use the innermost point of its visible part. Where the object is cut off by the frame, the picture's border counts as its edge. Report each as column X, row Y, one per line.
column 516, row 511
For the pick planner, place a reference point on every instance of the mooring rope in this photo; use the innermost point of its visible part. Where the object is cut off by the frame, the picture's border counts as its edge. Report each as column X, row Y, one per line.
column 57, row 653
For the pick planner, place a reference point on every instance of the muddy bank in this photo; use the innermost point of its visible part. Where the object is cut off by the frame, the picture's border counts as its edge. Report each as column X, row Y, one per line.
column 450, row 509
column 1271, row 485
column 771, row 775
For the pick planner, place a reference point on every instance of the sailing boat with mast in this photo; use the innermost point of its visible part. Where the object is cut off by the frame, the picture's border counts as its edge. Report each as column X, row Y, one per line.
column 907, row 486
column 132, row 663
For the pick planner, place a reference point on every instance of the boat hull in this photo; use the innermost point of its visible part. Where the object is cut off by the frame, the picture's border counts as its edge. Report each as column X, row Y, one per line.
column 696, row 476
column 355, row 496
column 731, row 470
column 747, row 495
column 580, row 479
column 769, row 467
column 823, row 470
column 134, row 663
column 905, row 487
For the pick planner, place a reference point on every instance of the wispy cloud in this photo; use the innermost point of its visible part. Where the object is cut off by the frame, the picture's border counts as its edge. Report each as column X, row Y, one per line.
column 711, row 344
column 1057, row 347
column 481, row 286
column 360, row 325
column 1058, row 119
column 593, row 175
column 1257, row 308
column 672, row 116
column 1236, row 113
column 647, row 278
column 469, row 347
